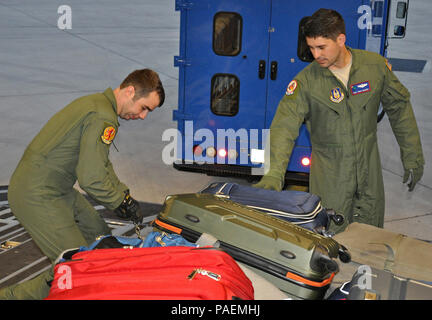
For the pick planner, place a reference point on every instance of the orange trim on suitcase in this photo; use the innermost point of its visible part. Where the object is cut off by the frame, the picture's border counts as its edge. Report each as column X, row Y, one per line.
column 168, row 227
column 298, row 278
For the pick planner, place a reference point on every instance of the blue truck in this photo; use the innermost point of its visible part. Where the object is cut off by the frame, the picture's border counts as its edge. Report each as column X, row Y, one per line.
column 236, row 58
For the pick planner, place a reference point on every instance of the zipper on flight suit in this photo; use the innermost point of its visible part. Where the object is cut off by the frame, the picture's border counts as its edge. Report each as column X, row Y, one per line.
column 357, row 193
column 347, row 94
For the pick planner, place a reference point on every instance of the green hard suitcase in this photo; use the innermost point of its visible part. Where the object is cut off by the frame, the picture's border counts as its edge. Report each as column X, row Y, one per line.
column 298, row 261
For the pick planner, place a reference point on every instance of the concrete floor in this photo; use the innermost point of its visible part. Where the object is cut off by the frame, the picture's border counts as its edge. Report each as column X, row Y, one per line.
column 44, row 68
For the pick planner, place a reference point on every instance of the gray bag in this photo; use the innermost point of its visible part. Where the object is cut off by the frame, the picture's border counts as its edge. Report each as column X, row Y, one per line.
column 386, row 250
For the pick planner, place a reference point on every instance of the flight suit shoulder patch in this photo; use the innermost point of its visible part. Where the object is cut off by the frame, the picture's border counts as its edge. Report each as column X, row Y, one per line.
column 389, row 66
column 292, row 86
column 108, row 134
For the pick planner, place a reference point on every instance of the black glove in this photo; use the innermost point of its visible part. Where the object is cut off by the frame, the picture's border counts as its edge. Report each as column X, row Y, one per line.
column 129, row 209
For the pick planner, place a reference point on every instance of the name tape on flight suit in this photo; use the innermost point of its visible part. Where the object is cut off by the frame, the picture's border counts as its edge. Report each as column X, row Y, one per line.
column 361, row 87
column 108, row 135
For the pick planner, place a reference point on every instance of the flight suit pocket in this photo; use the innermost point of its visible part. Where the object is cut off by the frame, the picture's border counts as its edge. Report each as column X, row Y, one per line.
column 367, row 104
column 329, row 173
column 327, row 159
column 369, row 118
column 327, row 123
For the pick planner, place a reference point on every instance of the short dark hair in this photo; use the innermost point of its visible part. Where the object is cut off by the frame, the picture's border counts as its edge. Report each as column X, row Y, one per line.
column 144, row 81
column 326, row 23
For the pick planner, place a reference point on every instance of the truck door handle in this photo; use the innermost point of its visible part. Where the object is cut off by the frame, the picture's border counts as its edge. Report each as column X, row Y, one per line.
column 273, row 70
column 261, row 69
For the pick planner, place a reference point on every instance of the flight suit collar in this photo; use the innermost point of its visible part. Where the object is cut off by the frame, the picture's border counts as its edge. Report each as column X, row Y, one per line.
column 355, row 61
column 354, row 66
column 109, row 94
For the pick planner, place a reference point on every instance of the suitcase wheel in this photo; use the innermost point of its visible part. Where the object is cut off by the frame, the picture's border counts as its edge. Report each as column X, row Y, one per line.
column 338, row 219
column 344, row 255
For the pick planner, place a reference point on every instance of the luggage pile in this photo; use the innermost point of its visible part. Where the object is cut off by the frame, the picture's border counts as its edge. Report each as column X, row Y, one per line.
column 298, row 261
column 226, row 242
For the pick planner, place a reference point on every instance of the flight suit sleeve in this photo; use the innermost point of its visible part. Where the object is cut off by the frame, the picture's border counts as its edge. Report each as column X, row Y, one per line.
column 94, row 170
column 284, row 130
column 396, row 103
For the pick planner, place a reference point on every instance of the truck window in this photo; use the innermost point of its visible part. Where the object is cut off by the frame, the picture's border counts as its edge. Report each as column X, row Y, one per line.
column 401, row 10
column 227, row 30
column 225, row 93
column 378, row 9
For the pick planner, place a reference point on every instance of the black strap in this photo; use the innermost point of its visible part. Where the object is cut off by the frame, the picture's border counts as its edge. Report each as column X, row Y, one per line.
column 109, row 242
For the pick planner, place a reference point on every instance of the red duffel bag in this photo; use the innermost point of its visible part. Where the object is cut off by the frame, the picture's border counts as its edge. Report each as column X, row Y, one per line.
column 156, row 273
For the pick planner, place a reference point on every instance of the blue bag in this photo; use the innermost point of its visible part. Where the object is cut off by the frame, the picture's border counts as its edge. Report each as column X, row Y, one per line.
column 153, row 239
column 158, row 239
column 301, row 208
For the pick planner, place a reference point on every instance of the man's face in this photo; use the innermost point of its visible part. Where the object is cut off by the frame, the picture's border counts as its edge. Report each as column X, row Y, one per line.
column 138, row 109
column 327, row 52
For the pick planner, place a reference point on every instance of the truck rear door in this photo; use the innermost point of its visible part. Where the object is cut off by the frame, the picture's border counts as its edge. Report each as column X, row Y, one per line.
column 224, row 68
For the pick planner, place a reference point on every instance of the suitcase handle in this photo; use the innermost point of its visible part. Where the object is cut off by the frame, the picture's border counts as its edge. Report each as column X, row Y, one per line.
column 233, row 217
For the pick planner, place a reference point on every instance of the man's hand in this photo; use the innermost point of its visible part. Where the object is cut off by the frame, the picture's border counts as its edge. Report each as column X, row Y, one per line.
column 413, row 176
column 129, row 209
column 270, row 183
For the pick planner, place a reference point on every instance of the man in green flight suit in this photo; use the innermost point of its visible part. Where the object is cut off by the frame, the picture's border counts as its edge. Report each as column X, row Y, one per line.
column 74, row 146
column 338, row 96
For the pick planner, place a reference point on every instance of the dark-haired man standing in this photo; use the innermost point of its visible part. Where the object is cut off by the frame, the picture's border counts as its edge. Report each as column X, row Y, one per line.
column 338, row 95
column 72, row 147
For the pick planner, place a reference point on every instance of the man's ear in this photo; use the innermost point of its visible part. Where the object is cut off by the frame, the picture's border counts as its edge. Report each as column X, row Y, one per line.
column 130, row 90
column 341, row 39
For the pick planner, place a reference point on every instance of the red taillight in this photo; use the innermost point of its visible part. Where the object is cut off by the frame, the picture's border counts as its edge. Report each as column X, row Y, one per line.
column 305, row 161
column 197, row 150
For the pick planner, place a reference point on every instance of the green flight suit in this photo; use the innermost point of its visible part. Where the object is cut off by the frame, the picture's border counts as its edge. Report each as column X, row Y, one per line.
column 342, row 122
column 71, row 147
